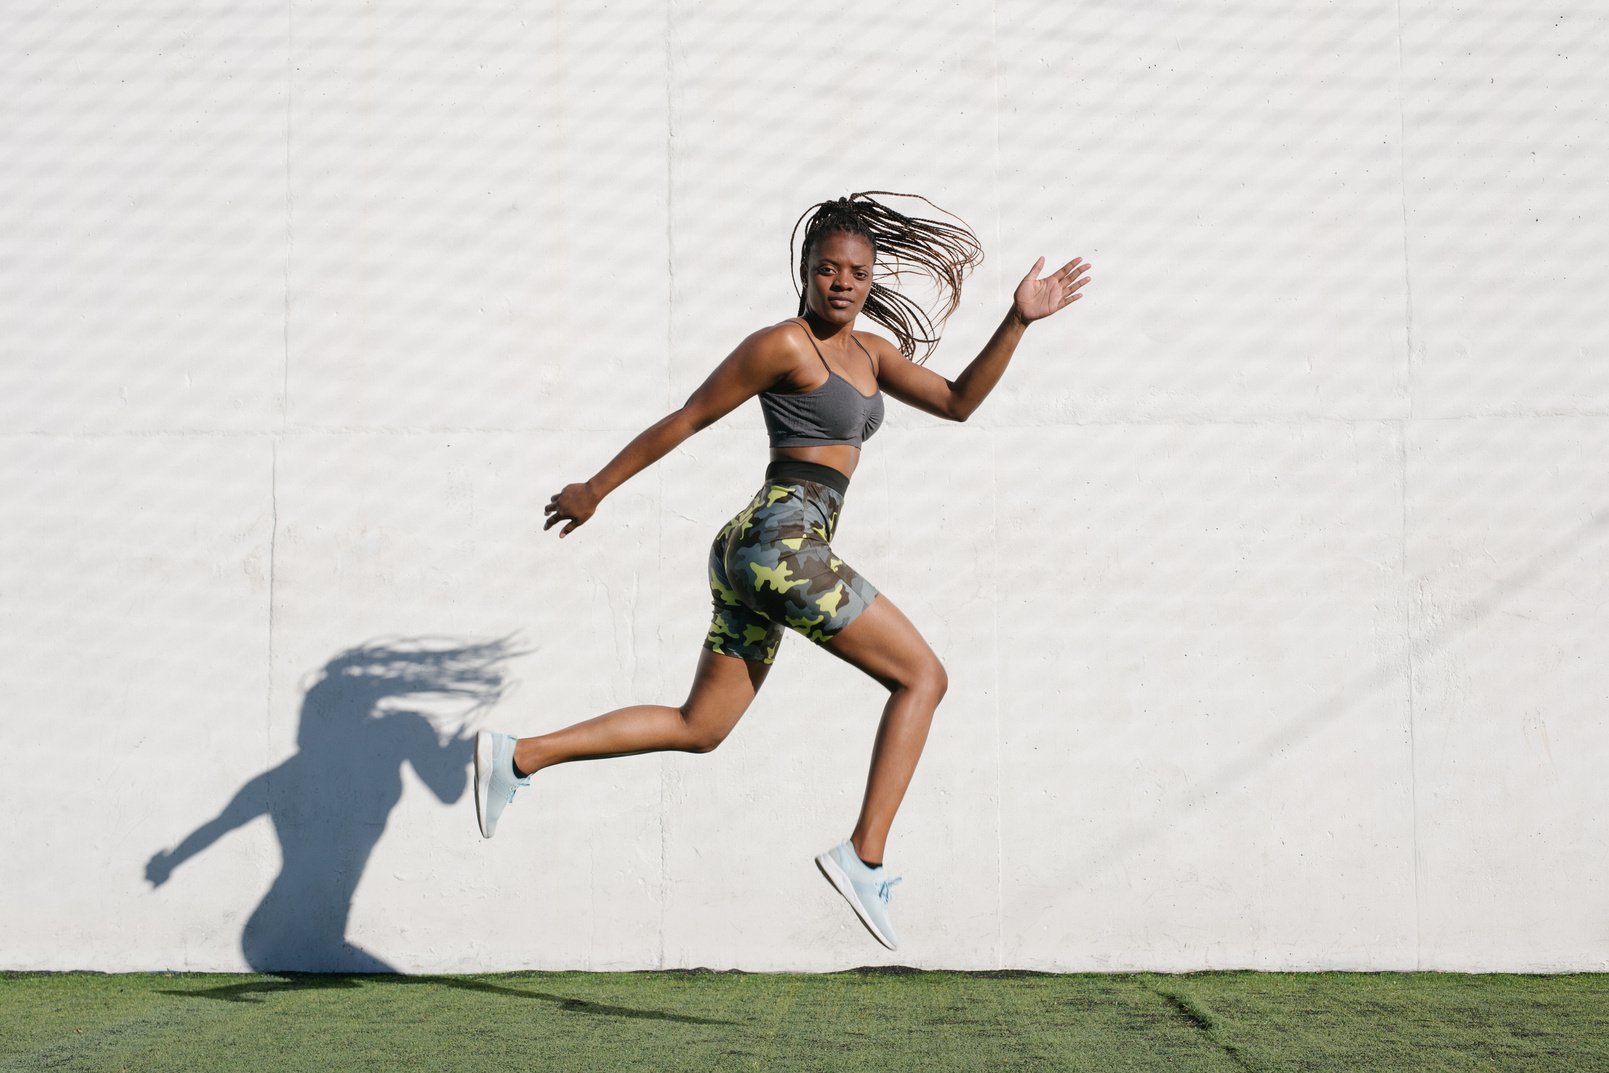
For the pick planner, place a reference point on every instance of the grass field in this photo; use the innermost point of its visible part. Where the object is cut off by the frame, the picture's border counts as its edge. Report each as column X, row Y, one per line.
column 862, row 1020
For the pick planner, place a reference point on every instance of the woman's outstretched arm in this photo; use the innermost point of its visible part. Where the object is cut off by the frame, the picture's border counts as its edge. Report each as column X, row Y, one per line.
column 758, row 362
column 956, row 399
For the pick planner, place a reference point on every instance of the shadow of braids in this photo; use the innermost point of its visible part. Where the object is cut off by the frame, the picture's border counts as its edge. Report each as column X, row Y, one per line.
column 945, row 253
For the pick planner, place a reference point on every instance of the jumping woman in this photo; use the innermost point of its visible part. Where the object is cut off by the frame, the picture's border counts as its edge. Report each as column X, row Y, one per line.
column 821, row 385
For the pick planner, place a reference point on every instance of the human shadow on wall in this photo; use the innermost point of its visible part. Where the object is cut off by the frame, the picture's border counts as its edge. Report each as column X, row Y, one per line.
column 329, row 802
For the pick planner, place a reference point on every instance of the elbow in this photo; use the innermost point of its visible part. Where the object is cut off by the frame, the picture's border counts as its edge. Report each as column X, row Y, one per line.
column 695, row 415
column 685, row 422
column 958, row 407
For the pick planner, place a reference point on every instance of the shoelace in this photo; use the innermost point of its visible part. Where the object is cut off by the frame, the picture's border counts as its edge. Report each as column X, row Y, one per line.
column 883, row 888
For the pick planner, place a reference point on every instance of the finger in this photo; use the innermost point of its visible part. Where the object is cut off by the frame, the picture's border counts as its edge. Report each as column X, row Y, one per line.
column 566, row 530
column 1073, row 269
column 1033, row 273
column 551, row 522
column 1070, row 293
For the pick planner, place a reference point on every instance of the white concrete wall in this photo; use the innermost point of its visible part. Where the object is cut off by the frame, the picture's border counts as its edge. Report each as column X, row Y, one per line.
column 1271, row 580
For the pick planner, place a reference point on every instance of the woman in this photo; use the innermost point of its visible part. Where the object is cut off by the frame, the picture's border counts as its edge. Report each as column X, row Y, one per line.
column 821, row 386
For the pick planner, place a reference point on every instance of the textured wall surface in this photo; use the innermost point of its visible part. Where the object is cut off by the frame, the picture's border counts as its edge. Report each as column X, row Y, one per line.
column 1271, row 579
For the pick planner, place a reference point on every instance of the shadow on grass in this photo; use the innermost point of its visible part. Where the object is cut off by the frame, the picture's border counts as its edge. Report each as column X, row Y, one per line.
column 973, row 974
column 256, row 990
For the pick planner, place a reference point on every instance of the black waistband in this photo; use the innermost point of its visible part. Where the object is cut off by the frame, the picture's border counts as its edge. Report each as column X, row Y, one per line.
column 791, row 469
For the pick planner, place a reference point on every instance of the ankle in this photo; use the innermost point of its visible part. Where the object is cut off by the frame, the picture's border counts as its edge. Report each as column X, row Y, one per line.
column 525, row 761
column 870, row 860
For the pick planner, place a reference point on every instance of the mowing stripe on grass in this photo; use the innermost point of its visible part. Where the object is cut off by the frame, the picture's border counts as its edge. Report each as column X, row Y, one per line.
column 1199, row 1016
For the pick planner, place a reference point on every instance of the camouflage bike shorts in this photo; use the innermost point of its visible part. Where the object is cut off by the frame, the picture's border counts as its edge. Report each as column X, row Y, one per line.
column 771, row 566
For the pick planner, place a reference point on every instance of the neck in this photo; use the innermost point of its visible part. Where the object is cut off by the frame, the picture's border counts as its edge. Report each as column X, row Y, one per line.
column 825, row 330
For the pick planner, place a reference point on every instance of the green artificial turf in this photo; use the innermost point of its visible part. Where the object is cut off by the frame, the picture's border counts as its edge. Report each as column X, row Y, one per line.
column 863, row 1020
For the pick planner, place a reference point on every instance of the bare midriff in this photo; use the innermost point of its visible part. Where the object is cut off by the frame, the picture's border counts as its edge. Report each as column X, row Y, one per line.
column 840, row 456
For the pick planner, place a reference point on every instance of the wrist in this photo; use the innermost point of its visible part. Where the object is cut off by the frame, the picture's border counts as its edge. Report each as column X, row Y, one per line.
column 1014, row 316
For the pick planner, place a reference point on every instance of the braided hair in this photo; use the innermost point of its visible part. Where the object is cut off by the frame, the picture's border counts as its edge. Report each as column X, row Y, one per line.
column 946, row 253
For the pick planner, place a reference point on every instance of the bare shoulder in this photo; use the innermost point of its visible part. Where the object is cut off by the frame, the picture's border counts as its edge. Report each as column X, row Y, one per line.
column 786, row 335
column 881, row 350
column 781, row 349
column 766, row 360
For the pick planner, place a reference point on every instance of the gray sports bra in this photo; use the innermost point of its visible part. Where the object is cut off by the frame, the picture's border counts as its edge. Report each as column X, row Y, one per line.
column 834, row 413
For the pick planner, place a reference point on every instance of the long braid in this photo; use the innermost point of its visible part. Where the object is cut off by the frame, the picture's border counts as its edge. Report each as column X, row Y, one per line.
column 943, row 252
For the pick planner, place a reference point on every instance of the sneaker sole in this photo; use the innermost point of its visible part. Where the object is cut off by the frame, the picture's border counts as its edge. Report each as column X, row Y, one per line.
column 840, row 882
column 483, row 777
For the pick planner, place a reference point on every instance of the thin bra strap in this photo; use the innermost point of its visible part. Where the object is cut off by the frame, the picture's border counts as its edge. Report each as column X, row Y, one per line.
column 866, row 352
column 810, row 336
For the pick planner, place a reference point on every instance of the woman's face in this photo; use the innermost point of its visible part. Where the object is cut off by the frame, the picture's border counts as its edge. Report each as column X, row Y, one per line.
column 838, row 276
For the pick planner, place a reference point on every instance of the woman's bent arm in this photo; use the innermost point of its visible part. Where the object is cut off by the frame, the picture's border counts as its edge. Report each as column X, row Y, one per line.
column 651, row 444
column 957, row 399
column 576, row 503
column 757, row 363
column 968, row 390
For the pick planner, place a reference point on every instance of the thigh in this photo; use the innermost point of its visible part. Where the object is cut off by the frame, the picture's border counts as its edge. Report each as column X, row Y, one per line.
column 783, row 567
column 883, row 643
column 736, row 628
column 801, row 583
column 723, row 688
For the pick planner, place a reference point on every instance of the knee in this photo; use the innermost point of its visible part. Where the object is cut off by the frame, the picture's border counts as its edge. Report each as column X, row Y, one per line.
column 699, row 739
column 928, row 678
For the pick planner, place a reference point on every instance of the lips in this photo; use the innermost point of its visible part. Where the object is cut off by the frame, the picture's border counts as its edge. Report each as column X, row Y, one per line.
column 840, row 303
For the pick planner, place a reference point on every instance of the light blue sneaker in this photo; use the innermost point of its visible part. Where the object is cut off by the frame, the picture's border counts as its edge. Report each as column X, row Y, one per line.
column 495, row 783
column 863, row 888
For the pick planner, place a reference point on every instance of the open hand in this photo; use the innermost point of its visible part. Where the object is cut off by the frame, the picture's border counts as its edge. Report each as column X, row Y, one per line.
column 575, row 503
column 1037, row 298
